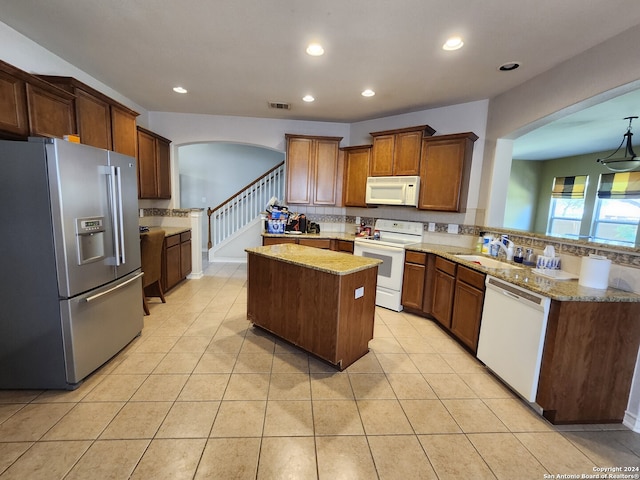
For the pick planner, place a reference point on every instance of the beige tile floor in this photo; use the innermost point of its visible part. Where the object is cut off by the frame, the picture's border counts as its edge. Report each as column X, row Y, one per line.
column 201, row 394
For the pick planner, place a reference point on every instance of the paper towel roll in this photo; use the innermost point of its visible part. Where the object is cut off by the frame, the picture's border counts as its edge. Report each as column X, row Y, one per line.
column 594, row 272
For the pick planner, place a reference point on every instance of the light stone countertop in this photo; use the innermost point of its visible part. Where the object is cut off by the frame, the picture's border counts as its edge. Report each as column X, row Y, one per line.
column 168, row 231
column 336, row 263
column 320, row 236
column 563, row 290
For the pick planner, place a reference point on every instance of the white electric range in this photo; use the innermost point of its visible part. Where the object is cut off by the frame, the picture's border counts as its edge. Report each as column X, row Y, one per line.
column 394, row 237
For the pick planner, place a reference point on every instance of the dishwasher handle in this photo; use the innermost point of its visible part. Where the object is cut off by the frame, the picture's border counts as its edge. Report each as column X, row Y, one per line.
column 519, row 294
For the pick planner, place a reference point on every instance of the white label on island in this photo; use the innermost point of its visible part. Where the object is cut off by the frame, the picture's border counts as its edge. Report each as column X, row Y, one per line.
column 359, row 292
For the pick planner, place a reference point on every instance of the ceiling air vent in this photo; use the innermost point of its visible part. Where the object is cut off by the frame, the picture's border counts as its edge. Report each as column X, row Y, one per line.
column 279, row 105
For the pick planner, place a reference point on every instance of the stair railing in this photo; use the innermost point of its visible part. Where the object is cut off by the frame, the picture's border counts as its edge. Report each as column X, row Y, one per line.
column 244, row 206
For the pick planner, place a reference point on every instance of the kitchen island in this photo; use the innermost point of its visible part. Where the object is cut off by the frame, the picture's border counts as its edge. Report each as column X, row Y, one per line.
column 318, row 300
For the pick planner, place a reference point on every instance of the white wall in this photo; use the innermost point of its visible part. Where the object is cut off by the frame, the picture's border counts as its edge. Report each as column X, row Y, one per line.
column 212, row 172
column 185, row 128
column 21, row 52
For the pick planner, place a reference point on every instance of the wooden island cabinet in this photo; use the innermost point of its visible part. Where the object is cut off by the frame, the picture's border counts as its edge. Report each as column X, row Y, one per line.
column 321, row 301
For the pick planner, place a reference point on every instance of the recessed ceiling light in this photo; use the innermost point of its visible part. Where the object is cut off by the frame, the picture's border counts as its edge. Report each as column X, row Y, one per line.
column 507, row 67
column 179, row 90
column 368, row 93
column 453, row 43
column 315, row 49
column 308, row 98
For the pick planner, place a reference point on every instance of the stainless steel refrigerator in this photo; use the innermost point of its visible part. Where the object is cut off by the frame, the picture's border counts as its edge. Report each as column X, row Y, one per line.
column 71, row 291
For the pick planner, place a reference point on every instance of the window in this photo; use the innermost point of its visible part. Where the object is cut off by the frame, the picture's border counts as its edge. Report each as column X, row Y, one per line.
column 567, row 206
column 617, row 210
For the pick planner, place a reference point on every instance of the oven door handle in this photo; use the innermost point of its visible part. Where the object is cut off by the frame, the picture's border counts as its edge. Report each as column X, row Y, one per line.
column 373, row 248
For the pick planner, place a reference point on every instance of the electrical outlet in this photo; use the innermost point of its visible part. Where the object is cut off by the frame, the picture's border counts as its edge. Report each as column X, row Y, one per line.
column 432, row 226
column 452, row 228
column 357, row 220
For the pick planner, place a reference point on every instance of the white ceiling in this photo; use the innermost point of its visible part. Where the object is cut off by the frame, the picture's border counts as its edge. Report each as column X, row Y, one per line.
column 235, row 56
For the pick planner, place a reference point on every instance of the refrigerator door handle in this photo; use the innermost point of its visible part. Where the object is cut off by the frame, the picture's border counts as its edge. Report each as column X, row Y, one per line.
column 107, row 292
column 118, row 215
column 120, row 218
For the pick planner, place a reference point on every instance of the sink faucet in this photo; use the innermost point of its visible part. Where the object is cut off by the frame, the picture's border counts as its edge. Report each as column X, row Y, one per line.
column 508, row 251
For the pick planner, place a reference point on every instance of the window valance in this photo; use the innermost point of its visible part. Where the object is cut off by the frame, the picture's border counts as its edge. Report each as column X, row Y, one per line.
column 569, row 187
column 619, row 185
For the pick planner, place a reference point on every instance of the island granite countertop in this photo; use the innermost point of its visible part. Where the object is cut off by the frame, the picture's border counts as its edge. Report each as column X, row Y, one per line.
column 335, row 263
column 525, row 277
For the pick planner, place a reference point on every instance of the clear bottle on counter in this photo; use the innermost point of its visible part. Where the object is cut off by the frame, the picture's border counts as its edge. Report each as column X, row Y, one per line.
column 529, row 258
column 518, row 256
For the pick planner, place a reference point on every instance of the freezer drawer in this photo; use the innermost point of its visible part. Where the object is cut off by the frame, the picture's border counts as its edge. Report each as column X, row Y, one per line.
column 99, row 324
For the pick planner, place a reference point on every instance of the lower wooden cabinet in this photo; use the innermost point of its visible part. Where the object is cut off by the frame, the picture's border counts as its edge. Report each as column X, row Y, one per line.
column 588, row 361
column 345, row 246
column 468, row 299
column 278, row 240
column 324, row 243
column 176, row 259
column 452, row 294
column 443, row 291
column 413, row 280
column 334, row 244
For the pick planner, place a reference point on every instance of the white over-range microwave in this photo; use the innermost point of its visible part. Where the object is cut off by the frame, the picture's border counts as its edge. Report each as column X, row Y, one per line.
column 402, row 190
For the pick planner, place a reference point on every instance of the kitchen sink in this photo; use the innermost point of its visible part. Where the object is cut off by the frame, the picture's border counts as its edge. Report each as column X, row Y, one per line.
column 486, row 261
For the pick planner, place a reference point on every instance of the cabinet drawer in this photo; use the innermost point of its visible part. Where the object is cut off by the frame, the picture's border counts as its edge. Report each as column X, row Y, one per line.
column 415, row 257
column 345, row 246
column 172, row 240
column 315, row 242
column 185, row 236
column 471, row 277
column 446, row 266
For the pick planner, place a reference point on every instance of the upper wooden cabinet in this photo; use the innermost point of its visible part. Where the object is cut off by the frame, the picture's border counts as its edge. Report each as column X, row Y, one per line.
column 154, row 167
column 100, row 121
column 30, row 106
column 312, row 170
column 14, row 119
column 357, row 161
column 50, row 111
column 397, row 152
column 444, row 171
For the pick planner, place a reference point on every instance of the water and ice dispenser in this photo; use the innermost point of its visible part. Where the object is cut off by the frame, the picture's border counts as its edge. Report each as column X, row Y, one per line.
column 90, row 239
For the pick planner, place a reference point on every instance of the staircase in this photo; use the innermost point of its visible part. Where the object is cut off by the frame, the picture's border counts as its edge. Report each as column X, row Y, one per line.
column 242, row 210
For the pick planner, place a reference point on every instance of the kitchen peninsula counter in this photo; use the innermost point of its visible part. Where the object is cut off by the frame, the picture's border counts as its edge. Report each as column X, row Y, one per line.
column 318, row 300
column 525, row 277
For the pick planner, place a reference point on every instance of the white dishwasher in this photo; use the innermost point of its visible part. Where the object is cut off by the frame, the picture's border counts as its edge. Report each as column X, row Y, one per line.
column 514, row 324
